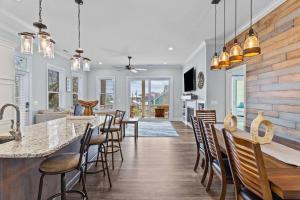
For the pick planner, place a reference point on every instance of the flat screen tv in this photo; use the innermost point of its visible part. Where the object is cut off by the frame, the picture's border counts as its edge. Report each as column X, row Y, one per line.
column 190, row 80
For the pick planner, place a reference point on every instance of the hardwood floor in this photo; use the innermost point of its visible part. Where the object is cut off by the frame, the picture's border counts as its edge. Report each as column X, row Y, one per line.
column 155, row 168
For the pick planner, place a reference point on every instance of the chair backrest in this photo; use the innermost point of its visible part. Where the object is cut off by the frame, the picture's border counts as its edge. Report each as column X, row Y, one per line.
column 107, row 124
column 119, row 116
column 78, row 110
column 85, row 140
column 197, row 131
column 208, row 116
column 247, row 165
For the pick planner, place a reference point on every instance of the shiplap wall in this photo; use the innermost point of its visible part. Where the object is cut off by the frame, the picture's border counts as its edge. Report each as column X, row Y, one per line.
column 273, row 78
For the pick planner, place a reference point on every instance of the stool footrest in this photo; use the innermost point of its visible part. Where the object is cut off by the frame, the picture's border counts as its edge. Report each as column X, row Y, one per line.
column 69, row 192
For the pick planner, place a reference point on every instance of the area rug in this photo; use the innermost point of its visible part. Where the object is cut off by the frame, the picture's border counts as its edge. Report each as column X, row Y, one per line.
column 153, row 129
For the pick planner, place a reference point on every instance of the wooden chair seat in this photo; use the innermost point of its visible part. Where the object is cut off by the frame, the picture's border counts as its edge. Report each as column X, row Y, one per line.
column 60, row 163
column 98, row 139
column 248, row 195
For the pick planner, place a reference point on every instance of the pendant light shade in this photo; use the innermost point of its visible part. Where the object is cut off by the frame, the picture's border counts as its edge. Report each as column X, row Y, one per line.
column 43, row 42
column 214, row 65
column 236, row 52
column 50, row 49
column 75, row 63
column 26, row 42
column 224, row 59
column 86, row 64
column 224, row 56
column 251, row 45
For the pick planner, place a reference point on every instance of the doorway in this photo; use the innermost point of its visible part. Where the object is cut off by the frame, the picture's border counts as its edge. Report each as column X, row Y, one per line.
column 236, row 93
column 149, row 98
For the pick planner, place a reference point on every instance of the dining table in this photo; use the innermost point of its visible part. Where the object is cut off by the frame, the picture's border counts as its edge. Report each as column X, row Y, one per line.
column 281, row 162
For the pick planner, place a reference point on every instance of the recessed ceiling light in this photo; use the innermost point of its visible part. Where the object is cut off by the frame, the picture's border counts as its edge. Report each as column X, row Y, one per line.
column 18, row 0
column 100, row 63
column 165, row 63
column 171, row 48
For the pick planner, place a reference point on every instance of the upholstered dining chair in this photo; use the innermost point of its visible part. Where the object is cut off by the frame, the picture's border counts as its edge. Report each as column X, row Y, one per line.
column 64, row 163
column 247, row 168
column 100, row 139
column 201, row 146
column 218, row 162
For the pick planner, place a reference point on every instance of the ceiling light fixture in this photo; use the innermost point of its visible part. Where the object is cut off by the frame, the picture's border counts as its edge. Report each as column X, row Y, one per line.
column 215, row 59
column 100, row 63
column 251, row 45
column 165, row 63
column 236, row 52
column 45, row 42
column 224, row 56
column 77, row 58
column 171, row 48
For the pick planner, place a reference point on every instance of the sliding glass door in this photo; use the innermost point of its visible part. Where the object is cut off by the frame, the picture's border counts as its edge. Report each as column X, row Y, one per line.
column 149, row 98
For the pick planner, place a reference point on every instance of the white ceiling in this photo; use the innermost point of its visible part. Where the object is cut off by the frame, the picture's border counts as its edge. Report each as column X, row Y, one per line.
column 113, row 29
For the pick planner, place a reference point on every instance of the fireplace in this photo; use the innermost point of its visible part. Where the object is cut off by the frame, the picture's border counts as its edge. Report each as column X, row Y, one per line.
column 190, row 112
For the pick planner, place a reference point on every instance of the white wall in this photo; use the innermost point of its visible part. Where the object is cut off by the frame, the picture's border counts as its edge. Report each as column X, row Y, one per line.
column 121, row 87
column 213, row 92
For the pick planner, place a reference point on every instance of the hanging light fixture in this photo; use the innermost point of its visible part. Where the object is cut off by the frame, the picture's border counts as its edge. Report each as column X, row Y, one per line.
column 251, row 45
column 45, row 43
column 215, row 59
column 236, row 52
column 224, row 56
column 77, row 59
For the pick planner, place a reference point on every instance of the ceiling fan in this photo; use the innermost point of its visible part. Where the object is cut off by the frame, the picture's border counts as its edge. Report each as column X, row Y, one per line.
column 132, row 68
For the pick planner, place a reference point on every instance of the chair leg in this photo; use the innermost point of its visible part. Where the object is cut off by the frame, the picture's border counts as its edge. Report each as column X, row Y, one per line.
column 106, row 165
column 41, row 187
column 63, row 187
column 223, row 189
column 205, row 170
column 83, row 183
column 197, row 162
column 86, row 163
column 202, row 163
column 210, row 177
column 120, row 146
column 99, row 148
column 112, row 150
column 102, row 158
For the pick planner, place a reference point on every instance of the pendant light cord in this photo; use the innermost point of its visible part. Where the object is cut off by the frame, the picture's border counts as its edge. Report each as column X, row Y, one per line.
column 251, row 11
column 215, row 28
column 79, row 26
column 40, row 11
column 235, row 16
column 224, row 20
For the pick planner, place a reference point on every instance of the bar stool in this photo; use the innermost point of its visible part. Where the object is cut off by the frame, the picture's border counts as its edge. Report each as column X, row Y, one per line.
column 64, row 163
column 101, row 140
column 116, row 128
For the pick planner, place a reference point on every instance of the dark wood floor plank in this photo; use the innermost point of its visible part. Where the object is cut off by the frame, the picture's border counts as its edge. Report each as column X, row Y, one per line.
column 155, row 168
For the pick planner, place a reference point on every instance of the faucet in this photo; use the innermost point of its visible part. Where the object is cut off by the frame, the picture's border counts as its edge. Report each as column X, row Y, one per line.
column 16, row 133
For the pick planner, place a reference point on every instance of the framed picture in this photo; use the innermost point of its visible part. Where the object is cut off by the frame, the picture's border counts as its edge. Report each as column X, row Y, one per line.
column 68, row 85
column 21, row 63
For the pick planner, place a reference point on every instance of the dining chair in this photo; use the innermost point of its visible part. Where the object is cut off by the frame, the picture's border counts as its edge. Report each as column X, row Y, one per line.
column 100, row 139
column 115, row 136
column 62, row 164
column 77, row 110
column 201, row 146
column 208, row 116
column 247, row 168
column 218, row 162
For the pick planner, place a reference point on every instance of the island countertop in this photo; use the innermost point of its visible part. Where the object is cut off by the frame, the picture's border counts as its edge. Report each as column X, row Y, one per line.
column 43, row 139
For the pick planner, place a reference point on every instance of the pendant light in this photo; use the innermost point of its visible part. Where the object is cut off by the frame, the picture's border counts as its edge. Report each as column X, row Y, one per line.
column 251, row 45
column 236, row 52
column 45, row 42
column 215, row 59
column 224, row 56
column 77, row 59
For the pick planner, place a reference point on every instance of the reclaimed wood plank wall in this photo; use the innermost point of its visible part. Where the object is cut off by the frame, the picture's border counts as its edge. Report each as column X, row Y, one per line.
column 273, row 78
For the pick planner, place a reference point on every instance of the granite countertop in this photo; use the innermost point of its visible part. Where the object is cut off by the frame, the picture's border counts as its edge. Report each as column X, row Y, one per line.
column 43, row 139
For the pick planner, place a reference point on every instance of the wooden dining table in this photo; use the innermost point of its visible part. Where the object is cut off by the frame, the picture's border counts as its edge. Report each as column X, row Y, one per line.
column 284, row 178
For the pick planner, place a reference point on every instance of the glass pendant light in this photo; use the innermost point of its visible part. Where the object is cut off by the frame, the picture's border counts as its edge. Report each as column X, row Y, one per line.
column 236, row 52
column 224, row 56
column 251, row 45
column 76, row 59
column 50, row 49
column 26, row 42
column 215, row 59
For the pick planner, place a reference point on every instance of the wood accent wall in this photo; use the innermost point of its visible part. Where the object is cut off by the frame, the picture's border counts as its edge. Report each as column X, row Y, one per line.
column 273, row 78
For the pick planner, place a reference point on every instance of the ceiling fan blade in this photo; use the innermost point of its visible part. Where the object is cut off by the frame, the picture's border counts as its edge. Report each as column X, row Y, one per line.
column 141, row 69
column 134, row 70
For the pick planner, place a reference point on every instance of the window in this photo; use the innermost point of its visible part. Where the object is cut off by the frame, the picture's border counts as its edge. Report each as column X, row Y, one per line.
column 75, row 90
column 106, row 93
column 53, row 89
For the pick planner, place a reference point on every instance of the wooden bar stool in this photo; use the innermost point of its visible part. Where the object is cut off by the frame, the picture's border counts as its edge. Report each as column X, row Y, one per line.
column 114, row 144
column 101, row 140
column 64, row 163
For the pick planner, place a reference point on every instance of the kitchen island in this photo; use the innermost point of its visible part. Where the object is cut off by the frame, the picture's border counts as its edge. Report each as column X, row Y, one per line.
column 20, row 160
